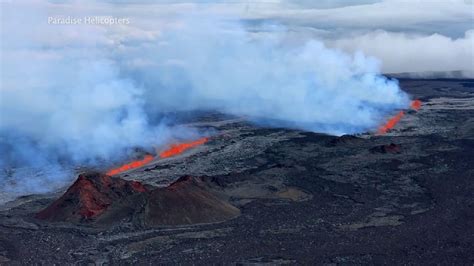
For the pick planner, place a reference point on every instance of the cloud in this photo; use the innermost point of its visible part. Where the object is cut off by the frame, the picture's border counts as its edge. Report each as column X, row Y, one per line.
column 326, row 4
column 450, row 18
column 407, row 36
column 401, row 52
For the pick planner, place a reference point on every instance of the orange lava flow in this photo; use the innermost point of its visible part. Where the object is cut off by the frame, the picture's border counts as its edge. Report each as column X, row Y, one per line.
column 392, row 122
column 176, row 149
column 415, row 105
column 131, row 165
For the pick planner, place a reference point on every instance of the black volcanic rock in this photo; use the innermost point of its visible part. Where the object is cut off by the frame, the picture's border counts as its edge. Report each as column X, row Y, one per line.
column 391, row 148
column 186, row 201
column 344, row 140
column 98, row 199
column 412, row 208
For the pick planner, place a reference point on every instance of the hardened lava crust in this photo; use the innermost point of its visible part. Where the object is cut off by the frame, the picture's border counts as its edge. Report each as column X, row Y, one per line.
column 255, row 195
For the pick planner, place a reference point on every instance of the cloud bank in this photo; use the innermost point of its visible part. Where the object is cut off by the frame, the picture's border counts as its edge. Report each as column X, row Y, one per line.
column 415, row 53
column 407, row 36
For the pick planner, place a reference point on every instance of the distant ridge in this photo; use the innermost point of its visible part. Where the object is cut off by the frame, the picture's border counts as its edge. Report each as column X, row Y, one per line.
column 449, row 75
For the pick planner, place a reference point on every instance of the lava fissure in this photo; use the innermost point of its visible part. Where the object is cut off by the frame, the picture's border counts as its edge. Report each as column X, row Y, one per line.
column 176, row 149
column 173, row 150
column 392, row 122
column 415, row 105
column 131, row 165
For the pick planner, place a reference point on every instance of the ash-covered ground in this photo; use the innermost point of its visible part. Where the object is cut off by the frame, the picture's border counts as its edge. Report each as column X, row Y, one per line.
column 406, row 197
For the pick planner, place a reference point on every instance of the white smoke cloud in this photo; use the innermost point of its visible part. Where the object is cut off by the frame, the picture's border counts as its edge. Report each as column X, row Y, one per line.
column 63, row 101
column 228, row 69
column 83, row 94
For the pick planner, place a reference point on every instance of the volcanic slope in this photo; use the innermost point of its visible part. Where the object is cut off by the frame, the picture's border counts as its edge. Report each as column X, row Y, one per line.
column 97, row 199
column 404, row 197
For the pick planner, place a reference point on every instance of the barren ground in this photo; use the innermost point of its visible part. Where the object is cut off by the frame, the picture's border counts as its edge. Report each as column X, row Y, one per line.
column 304, row 198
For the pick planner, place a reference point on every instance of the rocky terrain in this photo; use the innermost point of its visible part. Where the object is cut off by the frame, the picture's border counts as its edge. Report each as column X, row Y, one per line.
column 253, row 195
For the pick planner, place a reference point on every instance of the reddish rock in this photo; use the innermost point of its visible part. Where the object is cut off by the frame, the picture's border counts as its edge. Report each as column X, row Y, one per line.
column 89, row 197
column 98, row 199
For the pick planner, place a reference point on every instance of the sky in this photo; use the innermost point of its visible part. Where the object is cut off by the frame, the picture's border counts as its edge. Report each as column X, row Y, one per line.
column 406, row 35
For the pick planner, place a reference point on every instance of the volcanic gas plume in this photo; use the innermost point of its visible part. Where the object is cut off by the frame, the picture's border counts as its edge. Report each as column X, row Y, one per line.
column 392, row 122
column 91, row 102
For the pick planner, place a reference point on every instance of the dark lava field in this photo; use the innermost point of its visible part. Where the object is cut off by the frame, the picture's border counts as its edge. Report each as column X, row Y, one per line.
column 257, row 195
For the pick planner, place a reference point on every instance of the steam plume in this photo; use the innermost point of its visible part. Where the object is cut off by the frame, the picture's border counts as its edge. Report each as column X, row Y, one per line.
column 82, row 99
column 207, row 64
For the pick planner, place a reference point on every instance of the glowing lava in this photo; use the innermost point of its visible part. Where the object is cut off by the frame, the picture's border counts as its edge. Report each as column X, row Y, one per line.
column 131, row 165
column 415, row 105
column 176, row 149
column 392, row 122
